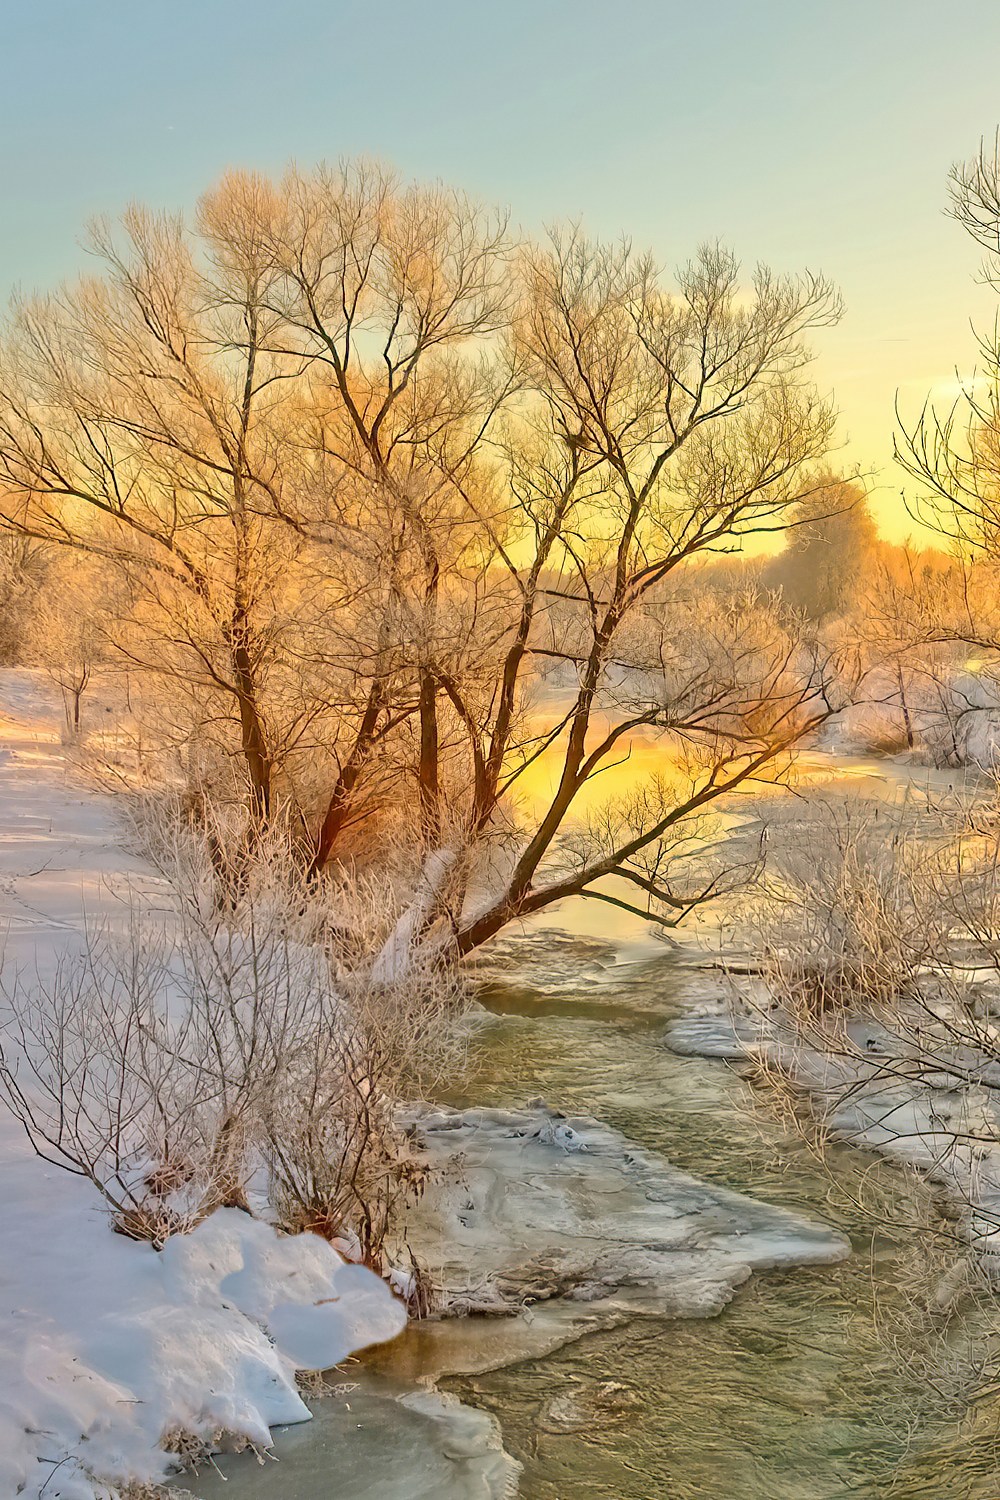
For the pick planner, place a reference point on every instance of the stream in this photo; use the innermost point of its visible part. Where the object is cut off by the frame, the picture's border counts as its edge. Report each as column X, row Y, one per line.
column 813, row 1384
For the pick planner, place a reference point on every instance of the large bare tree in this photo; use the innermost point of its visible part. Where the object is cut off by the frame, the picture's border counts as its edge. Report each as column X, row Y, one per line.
column 411, row 511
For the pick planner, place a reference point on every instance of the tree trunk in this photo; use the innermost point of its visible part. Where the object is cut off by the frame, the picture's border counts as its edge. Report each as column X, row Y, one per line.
column 253, row 738
column 906, row 711
column 430, row 791
column 340, row 799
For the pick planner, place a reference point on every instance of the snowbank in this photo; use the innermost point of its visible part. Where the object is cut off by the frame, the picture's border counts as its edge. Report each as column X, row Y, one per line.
column 109, row 1348
column 369, row 1438
column 106, row 1347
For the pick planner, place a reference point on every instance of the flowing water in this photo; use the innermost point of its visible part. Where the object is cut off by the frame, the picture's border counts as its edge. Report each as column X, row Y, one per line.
column 814, row 1384
column 807, row 1386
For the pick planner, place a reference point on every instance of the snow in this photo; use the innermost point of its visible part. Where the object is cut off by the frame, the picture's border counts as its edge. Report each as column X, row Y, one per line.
column 106, row 1346
column 370, row 1441
column 392, row 961
column 567, row 1226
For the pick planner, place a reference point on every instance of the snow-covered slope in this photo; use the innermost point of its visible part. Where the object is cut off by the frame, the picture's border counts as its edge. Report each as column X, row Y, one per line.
column 107, row 1347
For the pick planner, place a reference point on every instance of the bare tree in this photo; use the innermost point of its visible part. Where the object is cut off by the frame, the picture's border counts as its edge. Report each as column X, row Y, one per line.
column 371, row 472
column 829, row 550
column 65, row 627
column 954, row 455
column 657, row 427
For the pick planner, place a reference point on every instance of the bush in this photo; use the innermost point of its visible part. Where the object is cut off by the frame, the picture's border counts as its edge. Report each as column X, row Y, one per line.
column 168, row 1065
column 841, row 924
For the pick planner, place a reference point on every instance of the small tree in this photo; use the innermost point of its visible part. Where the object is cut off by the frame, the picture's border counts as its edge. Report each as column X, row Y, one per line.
column 68, row 628
column 87, row 1069
column 955, row 455
column 829, row 550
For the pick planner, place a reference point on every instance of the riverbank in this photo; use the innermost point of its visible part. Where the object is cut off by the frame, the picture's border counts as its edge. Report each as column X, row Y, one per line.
column 610, row 1234
column 911, row 1073
column 810, row 1382
column 869, row 1090
column 112, row 1353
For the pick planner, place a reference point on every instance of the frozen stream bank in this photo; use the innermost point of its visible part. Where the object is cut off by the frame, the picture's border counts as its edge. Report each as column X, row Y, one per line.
column 817, row 1382
column 793, row 1392
column 542, row 1229
column 597, row 1389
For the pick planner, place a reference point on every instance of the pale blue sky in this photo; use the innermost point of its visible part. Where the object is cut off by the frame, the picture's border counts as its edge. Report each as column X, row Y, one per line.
column 802, row 133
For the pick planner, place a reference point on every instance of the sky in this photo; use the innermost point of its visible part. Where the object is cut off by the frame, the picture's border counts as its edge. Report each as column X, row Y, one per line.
column 802, row 134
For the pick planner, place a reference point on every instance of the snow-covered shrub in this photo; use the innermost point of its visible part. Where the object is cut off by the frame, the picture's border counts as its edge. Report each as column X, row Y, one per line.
column 938, row 711
column 88, row 1068
column 309, row 1055
column 168, row 1065
column 339, row 1162
column 840, row 923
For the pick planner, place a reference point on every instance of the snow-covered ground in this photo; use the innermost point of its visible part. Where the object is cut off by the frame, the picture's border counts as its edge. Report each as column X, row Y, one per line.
column 108, row 1348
